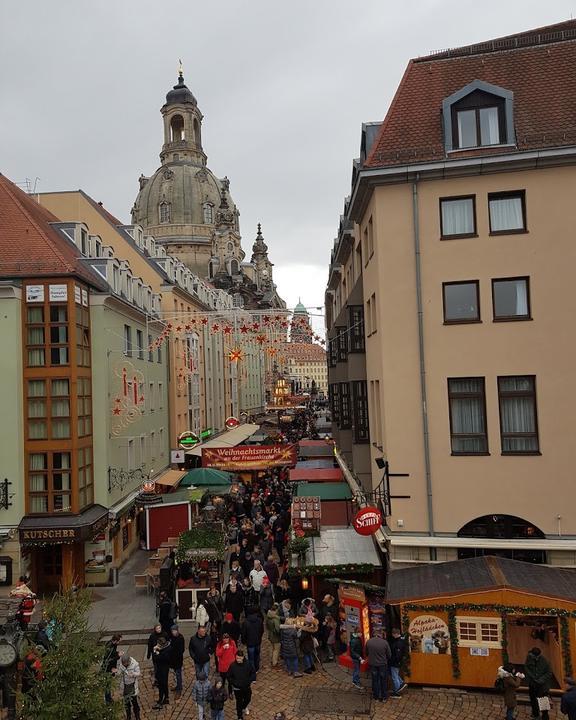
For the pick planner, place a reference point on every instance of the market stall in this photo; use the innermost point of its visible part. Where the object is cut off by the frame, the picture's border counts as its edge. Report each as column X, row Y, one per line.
column 466, row 618
column 200, row 560
column 336, row 499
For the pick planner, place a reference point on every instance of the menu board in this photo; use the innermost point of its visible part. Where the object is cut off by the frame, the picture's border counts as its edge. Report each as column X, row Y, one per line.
column 306, row 514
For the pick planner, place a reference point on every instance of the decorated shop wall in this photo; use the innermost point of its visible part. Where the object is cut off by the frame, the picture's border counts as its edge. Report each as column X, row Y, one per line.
column 462, row 639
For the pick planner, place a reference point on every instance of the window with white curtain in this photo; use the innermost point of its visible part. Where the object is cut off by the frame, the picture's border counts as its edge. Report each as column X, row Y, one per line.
column 518, row 419
column 457, row 217
column 507, row 212
column 478, row 120
column 511, row 299
column 467, row 402
column 461, row 302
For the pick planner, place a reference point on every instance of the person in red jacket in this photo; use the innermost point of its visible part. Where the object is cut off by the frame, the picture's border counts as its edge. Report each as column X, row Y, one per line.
column 226, row 654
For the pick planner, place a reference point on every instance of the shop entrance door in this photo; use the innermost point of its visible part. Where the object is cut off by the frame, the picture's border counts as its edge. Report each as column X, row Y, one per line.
column 48, row 561
column 525, row 632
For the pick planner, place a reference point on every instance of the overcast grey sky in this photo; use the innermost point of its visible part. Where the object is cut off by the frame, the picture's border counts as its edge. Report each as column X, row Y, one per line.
column 284, row 88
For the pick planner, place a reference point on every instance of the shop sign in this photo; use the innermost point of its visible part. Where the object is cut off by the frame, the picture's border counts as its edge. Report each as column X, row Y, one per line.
column 429, row 634
column 34, row 293
column 249, row 457
column 58, row 293
column 205, row 434
column 77, row 295
column 367, row 521
column 188, row 439
column 49, row 535
column 232, row 422
column 480, row 651
column 177, row 457
column 84, row 297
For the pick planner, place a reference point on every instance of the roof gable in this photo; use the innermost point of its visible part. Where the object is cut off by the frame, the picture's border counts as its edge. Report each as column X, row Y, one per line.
column 30, row 246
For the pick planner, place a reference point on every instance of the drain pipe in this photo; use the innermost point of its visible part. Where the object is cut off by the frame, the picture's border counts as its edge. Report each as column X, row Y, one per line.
column 423, row 397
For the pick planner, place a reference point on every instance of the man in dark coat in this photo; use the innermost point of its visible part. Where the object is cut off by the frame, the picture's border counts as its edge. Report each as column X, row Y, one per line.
column 539, row 676
column 231, row 627
column 399, row 649
column 271, row 569
column 240, row 676
column 177, row 645
column 110, row 662
column 234, row 601
column 568, row 702
column 162, row 651
column 155, row 635
column 201, row 648
column 252, row 631
column 167, row 613
column 379, row 653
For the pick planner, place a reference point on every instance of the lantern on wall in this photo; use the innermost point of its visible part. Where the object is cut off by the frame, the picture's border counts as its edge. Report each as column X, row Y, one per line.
column 304, row 583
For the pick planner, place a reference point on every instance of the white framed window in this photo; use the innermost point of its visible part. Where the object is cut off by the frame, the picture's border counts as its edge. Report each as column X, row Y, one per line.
column 479, row 632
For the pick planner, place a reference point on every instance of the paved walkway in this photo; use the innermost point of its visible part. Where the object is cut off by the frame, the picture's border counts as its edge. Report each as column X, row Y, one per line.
column 124, row 607
column 275, row 691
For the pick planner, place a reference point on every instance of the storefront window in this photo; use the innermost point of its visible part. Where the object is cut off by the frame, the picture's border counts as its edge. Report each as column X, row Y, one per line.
column 479, row 632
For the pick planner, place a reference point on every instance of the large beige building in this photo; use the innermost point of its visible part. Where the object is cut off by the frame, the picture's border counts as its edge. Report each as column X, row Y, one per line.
column 463, row 223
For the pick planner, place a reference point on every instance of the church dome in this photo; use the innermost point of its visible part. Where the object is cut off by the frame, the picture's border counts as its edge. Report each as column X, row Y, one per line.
column 180, row 194
column 300, row 309
column 180, row 94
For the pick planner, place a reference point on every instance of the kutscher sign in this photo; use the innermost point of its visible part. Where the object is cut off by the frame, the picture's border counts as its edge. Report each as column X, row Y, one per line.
column 367, row 521
column 249, row 457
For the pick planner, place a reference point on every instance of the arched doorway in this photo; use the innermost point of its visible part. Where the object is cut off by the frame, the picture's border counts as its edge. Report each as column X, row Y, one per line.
column 504, row 527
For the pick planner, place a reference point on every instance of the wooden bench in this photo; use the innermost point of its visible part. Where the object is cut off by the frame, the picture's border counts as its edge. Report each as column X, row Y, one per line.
column 141, row 581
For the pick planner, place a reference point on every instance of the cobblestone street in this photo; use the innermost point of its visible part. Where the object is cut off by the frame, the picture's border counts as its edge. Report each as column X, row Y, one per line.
column 275, row 691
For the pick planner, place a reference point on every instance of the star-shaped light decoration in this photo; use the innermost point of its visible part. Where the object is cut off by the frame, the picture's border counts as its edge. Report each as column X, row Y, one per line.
column 261, row 339
column 235, row 355
column 215, row 328
column 204, row 321
column 227, row 329
column 244, row 329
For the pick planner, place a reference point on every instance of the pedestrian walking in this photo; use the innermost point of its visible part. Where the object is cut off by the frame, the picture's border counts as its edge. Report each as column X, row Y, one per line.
column 155, row 635
column 177, row 645
column 289, row 649
column 508, row 681
column 252, row 631
column 271, row 569
column 568, row 701
column 356, row 656
column 200, row 649
column 399, row 650
column 201, row 693
column 110, row 664
column 240, row 675
column 217, row 698
column 539, row 676
column 234, row 600
column 307, row 648
column 167, row 613
column 162, row 652
column 128, row 672
column 266, row 596
column 273, row 628
column 202, row 616
column 226, row 654
column 231, row 627
column 379, row 653
column 251, row 596
column 257, row 575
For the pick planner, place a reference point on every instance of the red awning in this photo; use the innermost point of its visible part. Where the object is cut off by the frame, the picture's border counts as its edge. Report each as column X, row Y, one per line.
column 316, row 474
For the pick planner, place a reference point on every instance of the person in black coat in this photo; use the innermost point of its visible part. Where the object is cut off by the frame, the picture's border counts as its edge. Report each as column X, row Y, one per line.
column 163, row 652
column 201, row 648
column 234, row 601
column 231, row 627
column 110, row 662
column 166, row 614
column 155, row 635
column 252, row 631
column 240, row 676
column 177, row 645
column 568, row 701
column 399, row 650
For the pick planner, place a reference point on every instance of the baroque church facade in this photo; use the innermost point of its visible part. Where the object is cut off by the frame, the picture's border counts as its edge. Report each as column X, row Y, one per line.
column 190, row 211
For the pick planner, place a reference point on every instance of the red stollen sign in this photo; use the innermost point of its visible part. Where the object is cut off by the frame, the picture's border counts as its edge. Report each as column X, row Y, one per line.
column 232, row 422
column 367, row 520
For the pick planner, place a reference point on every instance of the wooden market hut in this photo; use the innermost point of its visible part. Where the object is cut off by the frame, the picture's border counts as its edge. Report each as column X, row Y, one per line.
column 466, row 618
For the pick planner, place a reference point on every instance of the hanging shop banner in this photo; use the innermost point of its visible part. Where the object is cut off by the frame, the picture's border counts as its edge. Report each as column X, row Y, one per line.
column 367, row 520
column 249, row 457
column 429, row 634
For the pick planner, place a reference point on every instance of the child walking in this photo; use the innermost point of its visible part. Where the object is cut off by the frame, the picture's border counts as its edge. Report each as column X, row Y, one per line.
column 201, row 694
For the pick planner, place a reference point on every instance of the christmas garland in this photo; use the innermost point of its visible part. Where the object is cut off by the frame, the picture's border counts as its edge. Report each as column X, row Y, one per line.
column 504, row 611
column 332, row 570
column 201, row 538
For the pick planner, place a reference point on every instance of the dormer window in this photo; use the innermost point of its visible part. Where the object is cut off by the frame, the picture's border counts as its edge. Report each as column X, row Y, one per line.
column 164, row 212
column 478, row 115
column 477, row 120
column 208, row 211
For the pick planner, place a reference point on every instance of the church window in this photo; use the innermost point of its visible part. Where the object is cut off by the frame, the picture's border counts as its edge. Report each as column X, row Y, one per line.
column 197, row 132
column 234, row 267
column 165, row 212
column 208, row 210
column 213, row 267
column 177, row 128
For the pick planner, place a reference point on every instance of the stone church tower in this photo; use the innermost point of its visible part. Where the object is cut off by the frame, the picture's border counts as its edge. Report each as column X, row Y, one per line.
column 185, row 207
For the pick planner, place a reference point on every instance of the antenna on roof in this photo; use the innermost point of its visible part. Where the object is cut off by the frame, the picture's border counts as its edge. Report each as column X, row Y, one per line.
column 28, row 185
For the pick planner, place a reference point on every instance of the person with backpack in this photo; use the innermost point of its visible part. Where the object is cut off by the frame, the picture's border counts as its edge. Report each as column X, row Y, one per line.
column 507, row 682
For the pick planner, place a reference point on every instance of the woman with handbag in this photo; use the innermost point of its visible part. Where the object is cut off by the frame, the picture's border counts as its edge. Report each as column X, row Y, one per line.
column 129, row 672
column 539, row 676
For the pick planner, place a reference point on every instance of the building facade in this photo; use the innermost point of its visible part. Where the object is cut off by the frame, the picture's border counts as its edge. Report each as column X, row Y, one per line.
column 462, row 211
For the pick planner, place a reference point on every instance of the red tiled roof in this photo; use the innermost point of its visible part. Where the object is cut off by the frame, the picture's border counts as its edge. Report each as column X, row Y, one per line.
column 29, row 245
column 537, row 66
column 303, row 351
